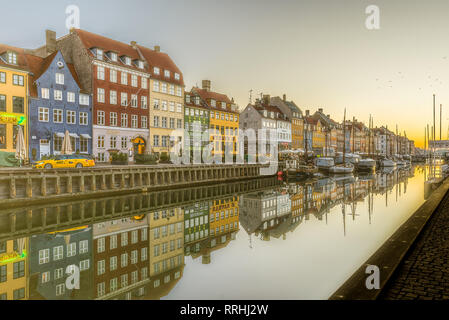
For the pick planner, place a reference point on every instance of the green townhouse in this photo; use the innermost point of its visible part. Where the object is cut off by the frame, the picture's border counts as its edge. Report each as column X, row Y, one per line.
column 196, row 223
column 196, row 113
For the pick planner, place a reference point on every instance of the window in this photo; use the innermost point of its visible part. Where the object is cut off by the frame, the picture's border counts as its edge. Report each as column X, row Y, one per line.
column 144, row 122
column 84, row 246
column 134, row 276
column 44, row 256
column 3, row 273
column 60, row 289
column 172, row 89
column 124, row 239
column 134, row 101
column 17, row 80
column 124, row 78
column 213, row 103
column 71, row 117
column 124, row 260
column 84, row 265
column 114, row 56
column 12, row 58
column 177, row 77
column 19, row 269
column 164, row 122
column 84, row 120
column 19, row 294
column 156, row 121
column 100, row 118
column 164, row 87
column 45, row 277
column 140, row 64
column 18, row 104
column 2, row 77
column 134, row 254
column 178, row 108
column 2, row 102
column 172, row 123
column 171, row 107
column 164, row 105
column 113, row 76
column 113, row 142
column 124, row 120
column 156, row 104
column 144, row 273
column 156, row 70
column 45, row 93
column 156, row 86
column 124, row 141
column 71, row 249
column 167, row 73
column 101, row 267
column 124, row 280
column 57, row 143
column 124, row 99
column 57, row 95
column 143, row 254
column 134, row 236
column 113, row 97
column 101, row 241
column 113, row 263
column 134, row 121
column 156, row 140
column 100, row 73
column 134, row 80
column 101, row 289
column 143, row 102
column 59, row 273
column 113, row 119
column 58, row 253
column 99, row 54
column 113, row 242
column 71, row 97
column 100, row 95
column 59, row 78
column 84, row 99
column 144, row 83
column 43, row 114
column 128, row 61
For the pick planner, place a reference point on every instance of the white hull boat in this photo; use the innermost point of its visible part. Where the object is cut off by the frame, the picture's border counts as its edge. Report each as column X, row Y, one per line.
column 366, row 165
column 343, row 169
column 387, row 163
column 324, row 164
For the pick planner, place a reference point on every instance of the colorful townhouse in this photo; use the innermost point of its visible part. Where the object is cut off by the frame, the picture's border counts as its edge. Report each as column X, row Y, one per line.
column 196, row 113
column 294, row 113
column 14, row 265
column 117, row 77
column 330, row 128
column 224, row 216
column 166, row 100
column 52, row 255
column 57, row 104
column 224, row 119
column 14, row 78
column 314, row 134
column 196, row 226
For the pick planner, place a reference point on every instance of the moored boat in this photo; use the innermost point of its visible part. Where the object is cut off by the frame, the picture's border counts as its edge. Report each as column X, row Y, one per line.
column 387, row 163
column 366, row 165
column 323, row 164
column 342, row 169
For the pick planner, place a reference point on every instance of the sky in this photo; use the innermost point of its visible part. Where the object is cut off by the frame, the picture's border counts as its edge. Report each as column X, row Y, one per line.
column 317, row 52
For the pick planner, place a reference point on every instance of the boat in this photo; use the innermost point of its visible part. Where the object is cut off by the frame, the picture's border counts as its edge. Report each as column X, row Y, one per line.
column 324, row 163
column 366, row 165
column 387, row 163
column 296, row 168
column 342, row 169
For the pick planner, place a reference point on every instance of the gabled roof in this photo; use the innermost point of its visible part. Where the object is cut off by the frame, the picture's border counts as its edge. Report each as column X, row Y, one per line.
column 163, row 62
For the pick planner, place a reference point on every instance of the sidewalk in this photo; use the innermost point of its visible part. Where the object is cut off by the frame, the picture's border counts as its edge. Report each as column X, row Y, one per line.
column 424, row 272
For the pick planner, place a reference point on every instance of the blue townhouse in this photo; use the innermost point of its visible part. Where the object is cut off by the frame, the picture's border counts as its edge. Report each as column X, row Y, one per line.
column 57, row 103
column 52, row 255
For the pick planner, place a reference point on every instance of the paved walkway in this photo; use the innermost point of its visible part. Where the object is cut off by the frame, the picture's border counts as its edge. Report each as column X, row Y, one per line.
column 424, row 273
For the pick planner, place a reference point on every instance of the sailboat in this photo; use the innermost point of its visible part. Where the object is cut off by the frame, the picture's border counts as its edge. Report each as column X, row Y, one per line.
column 387, row 163
column 344, row 168
column 367, row 164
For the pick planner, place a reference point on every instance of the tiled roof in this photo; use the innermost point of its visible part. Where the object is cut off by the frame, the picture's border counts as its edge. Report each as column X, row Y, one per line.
column 218, row 97
column 21, row 58
column 163, row 62
column 92, row 40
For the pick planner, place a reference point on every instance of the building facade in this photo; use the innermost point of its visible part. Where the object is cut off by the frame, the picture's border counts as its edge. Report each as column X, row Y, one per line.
column 196, row 113
column 57, row 104
column 293, row 113
column 14, row 265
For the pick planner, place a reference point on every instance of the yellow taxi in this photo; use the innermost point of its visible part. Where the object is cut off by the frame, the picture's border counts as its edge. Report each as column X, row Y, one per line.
column 66, row 161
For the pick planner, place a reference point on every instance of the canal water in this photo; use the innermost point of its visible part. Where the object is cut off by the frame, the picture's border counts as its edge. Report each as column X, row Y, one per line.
column 297, row 240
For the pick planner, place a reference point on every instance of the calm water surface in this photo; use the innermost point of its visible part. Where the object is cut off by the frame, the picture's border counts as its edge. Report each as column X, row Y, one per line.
column 298, row 240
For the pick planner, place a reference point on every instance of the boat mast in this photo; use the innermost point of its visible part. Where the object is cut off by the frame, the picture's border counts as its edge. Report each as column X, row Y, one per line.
column 344, row 135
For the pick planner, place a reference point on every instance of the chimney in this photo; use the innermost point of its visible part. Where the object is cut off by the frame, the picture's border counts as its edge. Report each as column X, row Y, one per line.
column 157, row 48
column 50, row 41
column 266, row 99
column 206, row 85
column 134, row 44
column 284, row 97
column 307, row 113
column 320, row 110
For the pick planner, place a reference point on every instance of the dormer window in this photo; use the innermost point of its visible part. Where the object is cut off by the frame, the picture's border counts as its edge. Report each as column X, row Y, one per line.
column 272, row 114
column 177, row 76
column 12, row 58
column 114, row 56
column 213, row 103
column 156, row 70
column 188, row 98
column 167, row 74
column 197, row 101
column 265, row 113
column 140, row 64
column 127, row 60
column 223, row 105
column 99, row 54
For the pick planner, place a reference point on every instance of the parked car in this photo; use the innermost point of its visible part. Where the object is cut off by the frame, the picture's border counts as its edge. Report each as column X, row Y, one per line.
column 66, row 161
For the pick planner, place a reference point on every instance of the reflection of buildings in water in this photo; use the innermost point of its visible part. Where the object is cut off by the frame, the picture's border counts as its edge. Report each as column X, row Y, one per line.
column 224, row 215
column 196, row 225
column 14, row 264
column 52, row 256
column 121, row 258
column 167, row 229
